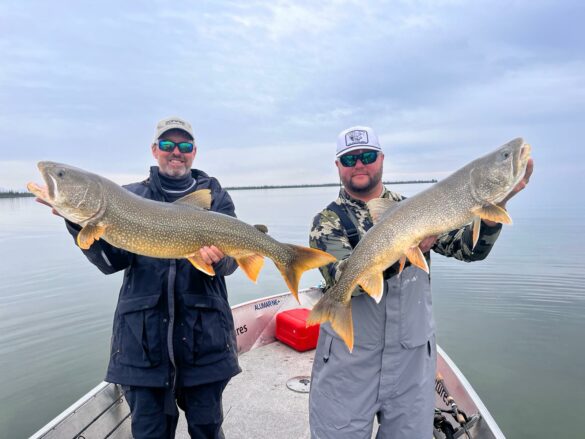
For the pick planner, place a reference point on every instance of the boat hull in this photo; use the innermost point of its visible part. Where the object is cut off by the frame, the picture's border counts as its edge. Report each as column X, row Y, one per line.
column 260, row 389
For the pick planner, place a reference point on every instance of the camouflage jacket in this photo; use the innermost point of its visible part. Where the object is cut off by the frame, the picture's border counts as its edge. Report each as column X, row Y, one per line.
column 327, row 234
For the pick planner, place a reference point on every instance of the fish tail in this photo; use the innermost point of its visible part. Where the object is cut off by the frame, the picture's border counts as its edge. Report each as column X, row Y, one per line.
column 338, row 314
column 303, row 259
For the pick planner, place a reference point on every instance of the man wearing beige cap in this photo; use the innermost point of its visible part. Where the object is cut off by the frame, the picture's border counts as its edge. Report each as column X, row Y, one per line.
column 390, row 373
column 173, row 336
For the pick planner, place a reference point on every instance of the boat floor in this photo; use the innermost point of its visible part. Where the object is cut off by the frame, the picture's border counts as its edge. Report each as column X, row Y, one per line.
column 257, row 402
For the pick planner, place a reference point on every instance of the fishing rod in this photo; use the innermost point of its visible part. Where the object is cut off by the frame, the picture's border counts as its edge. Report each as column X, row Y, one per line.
column 458, row 415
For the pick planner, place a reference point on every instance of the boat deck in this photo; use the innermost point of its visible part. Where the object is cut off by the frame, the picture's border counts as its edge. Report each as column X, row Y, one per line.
column 258, row 404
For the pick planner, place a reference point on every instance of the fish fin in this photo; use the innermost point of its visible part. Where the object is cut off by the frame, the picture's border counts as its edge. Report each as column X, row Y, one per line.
column 379, row 206
column 338, row 314
column 261, row 227
column 402, row 263
column 476, row 228
column 303, row 259
column 251, row 265
column 493, row 213
column 416, row 258
column 373, row 285
column 200, row 264
column 88, row 235
column 200, row 198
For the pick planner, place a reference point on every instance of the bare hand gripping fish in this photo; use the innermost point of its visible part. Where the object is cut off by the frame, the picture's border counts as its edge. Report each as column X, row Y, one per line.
column 468, row 195
column 166, row 230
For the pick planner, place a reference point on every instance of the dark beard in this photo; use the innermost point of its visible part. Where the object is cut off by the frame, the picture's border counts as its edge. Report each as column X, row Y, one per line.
column 366, row 189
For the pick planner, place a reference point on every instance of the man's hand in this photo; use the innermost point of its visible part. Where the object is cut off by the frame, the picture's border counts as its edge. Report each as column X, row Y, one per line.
column 40, row 201
column 211, row 255
column 427, row 243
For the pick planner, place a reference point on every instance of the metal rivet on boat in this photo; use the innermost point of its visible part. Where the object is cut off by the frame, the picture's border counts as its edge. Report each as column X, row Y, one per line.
column 301, row 384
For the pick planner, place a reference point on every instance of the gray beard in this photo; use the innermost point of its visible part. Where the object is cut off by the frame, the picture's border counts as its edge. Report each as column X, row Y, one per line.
column 174, row 173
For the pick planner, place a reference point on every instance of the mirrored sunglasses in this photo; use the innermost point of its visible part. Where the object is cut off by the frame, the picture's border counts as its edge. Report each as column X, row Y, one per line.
column 169, row 146
column 350, row 160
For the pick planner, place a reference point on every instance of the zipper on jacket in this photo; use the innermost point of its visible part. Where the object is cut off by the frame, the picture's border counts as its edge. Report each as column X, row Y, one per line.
column 171, row 326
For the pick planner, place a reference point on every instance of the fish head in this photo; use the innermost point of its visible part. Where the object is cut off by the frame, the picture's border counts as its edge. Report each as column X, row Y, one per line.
column 76, row 194
column 495, row 175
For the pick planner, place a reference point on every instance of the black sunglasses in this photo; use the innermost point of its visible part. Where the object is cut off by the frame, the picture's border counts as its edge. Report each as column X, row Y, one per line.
column 367, row 157
column 169, row 146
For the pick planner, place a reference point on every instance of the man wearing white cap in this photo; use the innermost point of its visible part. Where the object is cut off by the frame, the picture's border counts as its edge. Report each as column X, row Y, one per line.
column 173, row 338
column 390, row 373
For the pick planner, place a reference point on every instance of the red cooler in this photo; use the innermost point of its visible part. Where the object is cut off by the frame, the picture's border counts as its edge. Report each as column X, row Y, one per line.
column 291, row 329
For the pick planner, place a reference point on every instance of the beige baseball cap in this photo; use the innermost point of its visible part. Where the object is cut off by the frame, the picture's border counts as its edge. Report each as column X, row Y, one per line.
column 358, row 137
column 172, row 123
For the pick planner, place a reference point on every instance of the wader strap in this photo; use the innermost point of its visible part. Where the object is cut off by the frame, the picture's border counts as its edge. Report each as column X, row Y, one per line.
column 350, row 230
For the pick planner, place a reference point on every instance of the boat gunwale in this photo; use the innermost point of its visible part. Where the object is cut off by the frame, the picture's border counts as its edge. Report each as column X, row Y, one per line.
column 481, row 407
column 47, row 428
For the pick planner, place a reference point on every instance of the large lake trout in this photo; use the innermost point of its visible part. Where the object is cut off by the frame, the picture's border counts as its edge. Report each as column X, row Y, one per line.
column 166, row 230
column 466, row 196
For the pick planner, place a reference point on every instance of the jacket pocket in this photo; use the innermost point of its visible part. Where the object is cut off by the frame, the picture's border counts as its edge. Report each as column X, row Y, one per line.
column 324, row 350
column 139, row 332
column 207, row 337
column 416, row 309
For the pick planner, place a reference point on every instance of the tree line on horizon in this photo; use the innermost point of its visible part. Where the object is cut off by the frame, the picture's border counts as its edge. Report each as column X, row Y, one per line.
column 17, row 194
column 14, row 194
column 287, row 186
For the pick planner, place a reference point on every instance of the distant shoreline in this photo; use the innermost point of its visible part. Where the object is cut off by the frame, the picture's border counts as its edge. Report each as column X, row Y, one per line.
column 16, row 194
column 289, row 186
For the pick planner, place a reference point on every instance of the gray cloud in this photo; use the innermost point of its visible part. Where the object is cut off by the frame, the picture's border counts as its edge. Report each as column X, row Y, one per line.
column 268, row 85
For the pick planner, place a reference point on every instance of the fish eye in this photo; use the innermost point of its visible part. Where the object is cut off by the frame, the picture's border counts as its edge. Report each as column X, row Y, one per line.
column 506, row 154
column 61, row 173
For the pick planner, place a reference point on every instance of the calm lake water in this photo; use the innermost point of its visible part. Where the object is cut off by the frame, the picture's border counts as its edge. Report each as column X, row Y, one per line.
column 513, row 323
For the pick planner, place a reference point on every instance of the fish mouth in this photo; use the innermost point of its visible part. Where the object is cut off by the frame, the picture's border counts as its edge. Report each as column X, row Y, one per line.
column 525, row 152
column 49, row 191
column 520, row 162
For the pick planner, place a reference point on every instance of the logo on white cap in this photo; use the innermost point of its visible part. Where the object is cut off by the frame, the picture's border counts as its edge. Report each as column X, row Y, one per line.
column 356, row 136
column 174, row 122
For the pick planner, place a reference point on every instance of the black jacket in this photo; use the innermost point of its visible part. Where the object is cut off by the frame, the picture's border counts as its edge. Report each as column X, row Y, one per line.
column 164, row 300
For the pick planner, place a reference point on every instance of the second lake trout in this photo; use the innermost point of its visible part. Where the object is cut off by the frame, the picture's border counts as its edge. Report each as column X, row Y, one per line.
column 466, row 196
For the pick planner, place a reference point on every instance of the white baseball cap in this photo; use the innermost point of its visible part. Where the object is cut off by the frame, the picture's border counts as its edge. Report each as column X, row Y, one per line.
column 357, row 137
column 172, row 123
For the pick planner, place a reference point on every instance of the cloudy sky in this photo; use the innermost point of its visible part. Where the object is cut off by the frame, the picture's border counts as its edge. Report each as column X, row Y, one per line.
column 268, row 85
